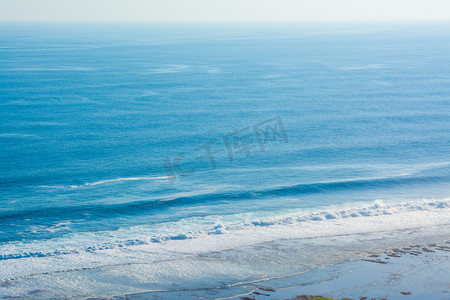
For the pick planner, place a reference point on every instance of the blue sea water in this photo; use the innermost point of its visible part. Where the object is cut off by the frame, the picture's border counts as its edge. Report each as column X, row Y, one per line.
column 117, row 139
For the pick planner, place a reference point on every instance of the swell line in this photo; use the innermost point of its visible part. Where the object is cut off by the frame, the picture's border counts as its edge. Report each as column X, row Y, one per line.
column 131, row 208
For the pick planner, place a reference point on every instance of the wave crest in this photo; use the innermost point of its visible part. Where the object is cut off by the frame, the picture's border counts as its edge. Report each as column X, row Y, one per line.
column 378, row 208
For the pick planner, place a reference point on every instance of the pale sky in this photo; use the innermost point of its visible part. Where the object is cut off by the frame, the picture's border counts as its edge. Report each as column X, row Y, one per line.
column 224, row 10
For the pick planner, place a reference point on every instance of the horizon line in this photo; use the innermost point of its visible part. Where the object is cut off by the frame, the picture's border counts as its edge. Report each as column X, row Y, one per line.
column 226, row 21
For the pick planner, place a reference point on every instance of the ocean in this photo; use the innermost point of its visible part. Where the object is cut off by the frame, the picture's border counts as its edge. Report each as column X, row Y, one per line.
column 172, row 158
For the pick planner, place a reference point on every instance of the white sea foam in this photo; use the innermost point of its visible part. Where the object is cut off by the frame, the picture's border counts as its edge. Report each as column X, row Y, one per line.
column 363, row 67
column 381, row 82
column 196, row 227
column 273, row 76
column 68, row 100
column 47, row 124
column 148, row 93
column 45, row 69
column 213, row 70
column 18, row 135
column 169, row 69
column 119, row 180
column 106, row 181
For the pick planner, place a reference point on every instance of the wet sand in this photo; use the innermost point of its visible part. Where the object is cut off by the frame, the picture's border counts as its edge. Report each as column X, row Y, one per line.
column 405, row 273
column 412, row 272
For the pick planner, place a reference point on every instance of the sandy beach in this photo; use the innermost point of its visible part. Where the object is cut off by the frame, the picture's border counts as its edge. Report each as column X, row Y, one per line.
column 406, row 273
column 413, row 272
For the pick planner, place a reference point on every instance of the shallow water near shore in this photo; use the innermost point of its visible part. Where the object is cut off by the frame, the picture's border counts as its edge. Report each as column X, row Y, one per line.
column 150, row 157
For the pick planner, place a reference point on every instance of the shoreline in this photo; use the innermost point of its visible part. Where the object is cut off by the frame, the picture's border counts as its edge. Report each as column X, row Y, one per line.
column 410, row 272
column 214, row 267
